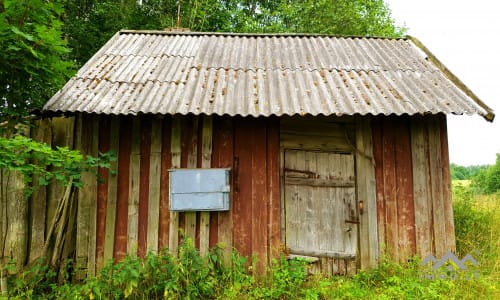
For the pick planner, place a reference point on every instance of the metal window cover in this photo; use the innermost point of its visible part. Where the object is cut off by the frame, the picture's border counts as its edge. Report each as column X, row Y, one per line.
column 199, row 189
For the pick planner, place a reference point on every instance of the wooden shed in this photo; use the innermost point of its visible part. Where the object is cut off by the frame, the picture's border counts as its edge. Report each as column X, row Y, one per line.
column 336, row 146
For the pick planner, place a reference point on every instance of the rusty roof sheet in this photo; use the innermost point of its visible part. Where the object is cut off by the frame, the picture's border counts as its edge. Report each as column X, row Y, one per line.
column 261, row 75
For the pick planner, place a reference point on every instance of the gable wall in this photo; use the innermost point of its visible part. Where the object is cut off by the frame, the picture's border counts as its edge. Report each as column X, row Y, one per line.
column 414, row 209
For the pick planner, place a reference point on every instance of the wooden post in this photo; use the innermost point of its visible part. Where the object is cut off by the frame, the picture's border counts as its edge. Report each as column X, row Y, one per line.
column 206, row 158
column 154, row 186
column 175, row 148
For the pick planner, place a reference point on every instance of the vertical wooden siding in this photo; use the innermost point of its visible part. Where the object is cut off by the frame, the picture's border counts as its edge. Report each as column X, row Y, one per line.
column 414, row 212
column 132, row 206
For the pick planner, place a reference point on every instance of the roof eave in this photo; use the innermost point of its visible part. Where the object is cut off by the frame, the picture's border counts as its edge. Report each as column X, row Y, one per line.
column 490, row 115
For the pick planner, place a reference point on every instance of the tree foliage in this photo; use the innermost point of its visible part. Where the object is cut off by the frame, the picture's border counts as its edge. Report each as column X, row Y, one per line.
column 465, row 173
column 488, row 180
column 33, row 55
column 90, row 23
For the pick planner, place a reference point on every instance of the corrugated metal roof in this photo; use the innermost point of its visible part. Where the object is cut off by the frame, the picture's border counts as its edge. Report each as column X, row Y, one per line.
column 263, row 75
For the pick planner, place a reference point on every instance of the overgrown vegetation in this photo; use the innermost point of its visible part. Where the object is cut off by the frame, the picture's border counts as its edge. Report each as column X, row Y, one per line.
column 189, row 276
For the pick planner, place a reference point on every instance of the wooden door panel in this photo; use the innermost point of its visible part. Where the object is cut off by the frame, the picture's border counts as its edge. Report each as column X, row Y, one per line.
column 319, row 199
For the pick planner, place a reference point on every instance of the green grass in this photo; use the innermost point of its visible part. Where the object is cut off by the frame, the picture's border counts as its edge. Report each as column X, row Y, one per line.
column 188, row 276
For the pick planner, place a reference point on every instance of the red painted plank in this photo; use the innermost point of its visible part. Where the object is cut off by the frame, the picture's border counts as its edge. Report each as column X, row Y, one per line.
column 166, row 163
column 223, row 157
column 404, row 188
column 259, row 211
column 102, row 189
column 273, row 156
column 120, row 249
column 144, row 186
column 379, row 178
column 390, row 186
column 242, row 204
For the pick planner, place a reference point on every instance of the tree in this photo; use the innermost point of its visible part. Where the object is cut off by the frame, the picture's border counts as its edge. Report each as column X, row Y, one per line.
column 33, row 56
column 90, row 23
column 488, row 180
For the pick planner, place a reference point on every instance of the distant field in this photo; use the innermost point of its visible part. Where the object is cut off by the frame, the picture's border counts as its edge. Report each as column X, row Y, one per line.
column 465, row 182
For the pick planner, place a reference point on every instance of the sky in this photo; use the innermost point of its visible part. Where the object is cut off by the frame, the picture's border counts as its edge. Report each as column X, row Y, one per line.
column 464, row 36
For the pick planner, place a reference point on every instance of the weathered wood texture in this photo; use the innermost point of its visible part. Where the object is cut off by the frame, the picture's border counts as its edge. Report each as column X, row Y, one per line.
column 413, row 186
column 320, row 208
column 400, row 166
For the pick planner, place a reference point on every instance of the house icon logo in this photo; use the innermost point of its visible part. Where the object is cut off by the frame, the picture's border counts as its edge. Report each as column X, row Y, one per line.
column 449, row 257
column 454, row 268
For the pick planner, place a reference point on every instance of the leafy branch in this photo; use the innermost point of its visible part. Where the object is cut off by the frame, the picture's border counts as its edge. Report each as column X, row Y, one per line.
column 38, row 160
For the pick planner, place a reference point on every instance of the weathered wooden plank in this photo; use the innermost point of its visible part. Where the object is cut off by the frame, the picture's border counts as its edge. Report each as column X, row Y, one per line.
column 154, row 186
column 86, row 225
column 192, row 155
column 366, row 188
column 376, row 125
column 390, row 195
column 166, row 162
column 223, row 157
column 273, row 181
column 308, row 142
column 123, row 190
column 62, row 136
column 404, row 182
column 134, row 184
column 420, row 171
column 242, row 204
column 319, row 182
column 175, row 149
column 109, row 237
column 206, row 158
column 144, row 179
column 448, row 205
column 102, row 191
column 436, row 184
column 94, row 151
column 259, row 195
column 42, row 132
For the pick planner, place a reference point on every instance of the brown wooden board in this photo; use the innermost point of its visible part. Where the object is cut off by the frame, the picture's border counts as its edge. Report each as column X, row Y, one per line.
column 166, row 164
column 259, row 213
column 421, row 189
column 155, row 184
column 390, row 187
column 448, row 205
column 404, row 183
column 134, row 187
column 42, row 132
column 379, row 181
column 121, row 228
column 273, row 179
column 109, row 239
column 102, row 191
column 144, row 172
column 221, row 227
column 242, row 204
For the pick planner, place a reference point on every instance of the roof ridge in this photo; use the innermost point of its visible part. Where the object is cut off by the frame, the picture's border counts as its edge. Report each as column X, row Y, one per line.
column 256, row 34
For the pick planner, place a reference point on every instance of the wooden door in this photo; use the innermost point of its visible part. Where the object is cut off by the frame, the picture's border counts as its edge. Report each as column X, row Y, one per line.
column 320, row 208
